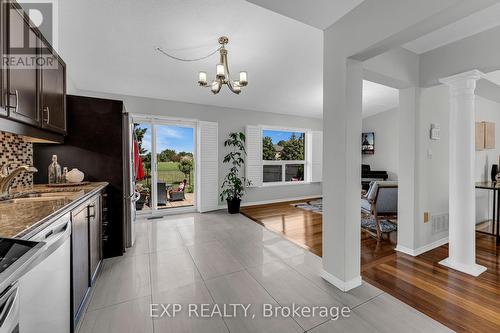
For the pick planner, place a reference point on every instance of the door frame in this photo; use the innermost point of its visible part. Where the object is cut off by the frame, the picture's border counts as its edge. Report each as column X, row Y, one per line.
column 157, row 120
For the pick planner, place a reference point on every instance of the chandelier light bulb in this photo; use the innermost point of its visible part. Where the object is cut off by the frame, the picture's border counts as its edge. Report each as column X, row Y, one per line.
column 202, row 78
column 215, row 86
column 243, row 79
column 221, row 71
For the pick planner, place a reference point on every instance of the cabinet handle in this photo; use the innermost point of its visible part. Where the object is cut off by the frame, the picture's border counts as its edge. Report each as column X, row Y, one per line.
column 46, row 112
column 15, row 93
column 93, row 213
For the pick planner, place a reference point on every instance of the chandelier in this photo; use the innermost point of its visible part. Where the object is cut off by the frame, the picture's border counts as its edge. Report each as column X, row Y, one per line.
column 222, row 74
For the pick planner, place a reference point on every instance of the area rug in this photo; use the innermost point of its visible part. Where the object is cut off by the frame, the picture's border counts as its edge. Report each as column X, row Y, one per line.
column 367, row 221
column 315, row 206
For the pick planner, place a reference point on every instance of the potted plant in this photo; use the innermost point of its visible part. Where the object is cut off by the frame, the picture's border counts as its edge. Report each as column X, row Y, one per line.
column 144, row 191
column 234, row 185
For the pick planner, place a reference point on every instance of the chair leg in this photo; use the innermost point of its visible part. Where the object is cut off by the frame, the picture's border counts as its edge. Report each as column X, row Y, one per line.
column 379, row 231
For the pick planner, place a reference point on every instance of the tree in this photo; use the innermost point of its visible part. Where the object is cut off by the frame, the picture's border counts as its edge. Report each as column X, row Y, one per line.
column 184, row 153
column 185, row 166
column 268, row 149
column 281, row 143
column 168, row 155
column 293, row 149
column 139, row 135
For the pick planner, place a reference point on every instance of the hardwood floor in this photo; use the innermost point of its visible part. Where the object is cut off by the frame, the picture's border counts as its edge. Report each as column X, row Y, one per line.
column 298, row 225
column 459, row 301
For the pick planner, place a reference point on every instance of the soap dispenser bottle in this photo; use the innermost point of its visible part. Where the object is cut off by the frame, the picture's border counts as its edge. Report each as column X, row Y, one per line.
column 54, row 171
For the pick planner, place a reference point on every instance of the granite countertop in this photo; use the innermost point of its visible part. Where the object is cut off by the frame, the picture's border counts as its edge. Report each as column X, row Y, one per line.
column 21, row 218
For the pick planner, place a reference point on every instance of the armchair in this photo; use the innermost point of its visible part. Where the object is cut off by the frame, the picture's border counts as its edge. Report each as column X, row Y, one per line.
column 381, row 201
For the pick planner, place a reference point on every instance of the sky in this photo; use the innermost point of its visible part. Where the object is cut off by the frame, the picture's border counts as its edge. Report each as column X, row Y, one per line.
column 277, row 136
column 170, row 137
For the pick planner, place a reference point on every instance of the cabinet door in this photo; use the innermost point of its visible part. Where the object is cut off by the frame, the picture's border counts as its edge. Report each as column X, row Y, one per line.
column 3, row 71
column 22, row 46
column 53, row 91
column 80, row 257
column 95, row 236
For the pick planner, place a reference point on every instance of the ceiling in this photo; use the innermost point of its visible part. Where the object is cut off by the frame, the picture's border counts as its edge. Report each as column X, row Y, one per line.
column 321, row 14
column 378, row 98
column 480, row 21
column 493, row 77
column 110, row 47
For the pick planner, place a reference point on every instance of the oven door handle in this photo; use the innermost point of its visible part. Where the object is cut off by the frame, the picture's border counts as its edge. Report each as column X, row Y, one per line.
column 8, row 300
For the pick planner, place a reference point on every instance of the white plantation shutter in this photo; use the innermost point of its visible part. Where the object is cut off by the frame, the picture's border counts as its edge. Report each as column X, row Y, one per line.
column 315, row 156
column 208, row 166
column 253, row 163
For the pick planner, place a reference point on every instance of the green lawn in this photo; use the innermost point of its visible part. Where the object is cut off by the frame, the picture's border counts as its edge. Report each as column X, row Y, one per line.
column 169, row 173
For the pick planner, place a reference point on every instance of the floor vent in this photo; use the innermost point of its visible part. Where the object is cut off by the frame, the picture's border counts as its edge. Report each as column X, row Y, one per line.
column 155, row 217
column 440, row 223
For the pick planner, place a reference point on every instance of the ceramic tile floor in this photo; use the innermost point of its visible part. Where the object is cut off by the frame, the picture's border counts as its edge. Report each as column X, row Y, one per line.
column 220, row 259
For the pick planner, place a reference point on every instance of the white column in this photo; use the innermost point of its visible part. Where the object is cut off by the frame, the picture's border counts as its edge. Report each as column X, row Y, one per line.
column 408, row 176
column 342, row 118
column 462, row 201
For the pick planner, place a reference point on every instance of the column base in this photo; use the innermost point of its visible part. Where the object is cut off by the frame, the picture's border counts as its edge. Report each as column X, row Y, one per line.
column 342, row 285
column 474, row 269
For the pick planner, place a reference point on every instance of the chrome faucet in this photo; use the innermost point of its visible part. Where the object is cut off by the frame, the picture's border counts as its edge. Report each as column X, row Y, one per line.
column 6, row 176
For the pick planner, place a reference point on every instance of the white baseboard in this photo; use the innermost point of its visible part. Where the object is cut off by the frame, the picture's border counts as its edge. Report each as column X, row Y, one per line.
column 342, row 285
column 266, row 202
column 422, row 249
column 474, row 269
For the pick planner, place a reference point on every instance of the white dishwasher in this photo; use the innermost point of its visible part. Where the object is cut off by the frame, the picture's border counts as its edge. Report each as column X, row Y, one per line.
column 45, row 301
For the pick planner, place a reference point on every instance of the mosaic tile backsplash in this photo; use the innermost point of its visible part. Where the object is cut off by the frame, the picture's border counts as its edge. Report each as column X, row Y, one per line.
column 15, row 151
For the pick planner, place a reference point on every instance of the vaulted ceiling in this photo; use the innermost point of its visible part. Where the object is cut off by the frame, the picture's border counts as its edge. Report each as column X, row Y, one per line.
column 110, row 47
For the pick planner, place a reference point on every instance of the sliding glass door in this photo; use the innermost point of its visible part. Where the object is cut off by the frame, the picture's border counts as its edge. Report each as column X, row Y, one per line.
column 174, row 166
column 167, row 150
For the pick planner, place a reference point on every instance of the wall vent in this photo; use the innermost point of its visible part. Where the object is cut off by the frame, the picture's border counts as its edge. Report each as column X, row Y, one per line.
column 439, row 223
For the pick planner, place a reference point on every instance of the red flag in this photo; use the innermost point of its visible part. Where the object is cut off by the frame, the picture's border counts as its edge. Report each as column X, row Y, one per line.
column 139, row 171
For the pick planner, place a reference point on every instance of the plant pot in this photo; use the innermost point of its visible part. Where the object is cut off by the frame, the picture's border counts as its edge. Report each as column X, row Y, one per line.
column 233, row 205
column 139, row 204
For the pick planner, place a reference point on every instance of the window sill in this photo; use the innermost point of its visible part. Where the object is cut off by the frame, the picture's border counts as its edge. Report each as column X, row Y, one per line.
column 277, row 184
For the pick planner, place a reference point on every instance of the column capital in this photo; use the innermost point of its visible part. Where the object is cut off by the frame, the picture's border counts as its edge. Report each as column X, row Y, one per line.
column 461, row 78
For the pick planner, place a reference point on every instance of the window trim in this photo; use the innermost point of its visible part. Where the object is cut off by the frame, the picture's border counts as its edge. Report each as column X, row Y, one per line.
column 283, row 163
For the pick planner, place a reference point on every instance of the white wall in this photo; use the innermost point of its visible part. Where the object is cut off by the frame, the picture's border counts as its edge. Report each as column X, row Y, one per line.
column 433, row 169
column 432, row 163
column 230, row 120
column 386, row 128
column 486, row 110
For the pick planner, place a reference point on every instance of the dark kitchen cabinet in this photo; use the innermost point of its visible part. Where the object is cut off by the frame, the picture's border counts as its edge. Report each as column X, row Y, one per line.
column 95, row 237
column 86, row 252
column 23, row 43
column 53, row 91
column 32, row 78
column 3, row 45
column 79, row 257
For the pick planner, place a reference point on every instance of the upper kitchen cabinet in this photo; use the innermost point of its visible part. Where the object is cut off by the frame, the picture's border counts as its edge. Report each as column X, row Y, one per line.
column 3, row 45
column 23, row 43
column 33, row 78
column 53, row 90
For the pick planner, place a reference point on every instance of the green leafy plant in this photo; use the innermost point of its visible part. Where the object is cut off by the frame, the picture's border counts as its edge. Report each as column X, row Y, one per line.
column 185, row 166
column 234, row 185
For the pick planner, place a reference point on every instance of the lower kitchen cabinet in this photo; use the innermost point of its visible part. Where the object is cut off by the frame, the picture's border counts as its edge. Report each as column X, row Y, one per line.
column 86, row 252
column 95, row 237
column 80, row 258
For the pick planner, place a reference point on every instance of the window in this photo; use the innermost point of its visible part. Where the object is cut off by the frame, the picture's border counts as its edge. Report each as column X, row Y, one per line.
column 283, row 156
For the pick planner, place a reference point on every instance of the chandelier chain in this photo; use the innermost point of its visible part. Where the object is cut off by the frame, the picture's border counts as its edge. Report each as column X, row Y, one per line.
column 159, row 49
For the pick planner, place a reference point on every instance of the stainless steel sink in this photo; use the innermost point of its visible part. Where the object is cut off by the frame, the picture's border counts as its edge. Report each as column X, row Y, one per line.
column 37, row 197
